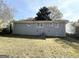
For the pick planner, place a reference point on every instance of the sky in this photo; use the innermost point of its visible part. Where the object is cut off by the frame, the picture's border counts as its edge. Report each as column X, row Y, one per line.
column 24, row 9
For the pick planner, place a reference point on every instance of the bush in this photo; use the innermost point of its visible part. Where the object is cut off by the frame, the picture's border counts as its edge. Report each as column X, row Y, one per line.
column 6, row 31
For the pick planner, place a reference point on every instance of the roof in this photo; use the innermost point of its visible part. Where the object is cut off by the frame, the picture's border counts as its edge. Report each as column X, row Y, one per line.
column 77, row 24
column 73, row 24
column 53, row 21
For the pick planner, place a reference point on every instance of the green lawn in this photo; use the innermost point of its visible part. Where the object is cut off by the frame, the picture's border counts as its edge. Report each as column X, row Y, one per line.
column 14, row 46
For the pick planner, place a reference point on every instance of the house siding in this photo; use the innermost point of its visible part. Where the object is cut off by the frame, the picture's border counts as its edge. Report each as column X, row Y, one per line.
column 49, row 28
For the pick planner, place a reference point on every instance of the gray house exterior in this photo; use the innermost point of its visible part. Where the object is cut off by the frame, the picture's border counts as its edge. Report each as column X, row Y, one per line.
column 49, row 28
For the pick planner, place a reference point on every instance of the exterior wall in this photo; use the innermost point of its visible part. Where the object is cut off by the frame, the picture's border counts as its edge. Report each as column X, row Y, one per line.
column 50, row 29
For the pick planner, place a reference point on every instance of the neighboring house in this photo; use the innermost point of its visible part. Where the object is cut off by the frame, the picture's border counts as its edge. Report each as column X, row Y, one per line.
column 72, row 28
column 49, row 28
column 4, row 26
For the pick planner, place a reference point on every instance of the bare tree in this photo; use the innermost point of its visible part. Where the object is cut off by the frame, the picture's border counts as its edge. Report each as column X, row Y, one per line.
column 6, row 14
column 5, row 11
column 55, row 13
column 6, row 17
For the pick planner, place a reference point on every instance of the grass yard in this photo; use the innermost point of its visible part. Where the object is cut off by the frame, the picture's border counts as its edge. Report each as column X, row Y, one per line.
column 14, row 46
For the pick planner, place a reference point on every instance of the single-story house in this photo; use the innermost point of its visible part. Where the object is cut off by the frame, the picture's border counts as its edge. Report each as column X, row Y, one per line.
column 49, row 28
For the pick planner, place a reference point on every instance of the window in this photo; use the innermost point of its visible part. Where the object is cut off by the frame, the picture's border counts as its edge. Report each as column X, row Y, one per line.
column 48, row 30
column 51, row 25
column 28, row 25
column 40, row 25
column 56, row 25
column 37, row 30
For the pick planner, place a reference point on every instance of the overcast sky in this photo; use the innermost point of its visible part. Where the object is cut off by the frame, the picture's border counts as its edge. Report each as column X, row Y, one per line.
column 29, row 8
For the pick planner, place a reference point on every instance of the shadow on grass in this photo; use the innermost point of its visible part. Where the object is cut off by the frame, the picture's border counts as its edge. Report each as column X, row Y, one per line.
column 73, row 42
column 22, row 36
column 4, row 56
